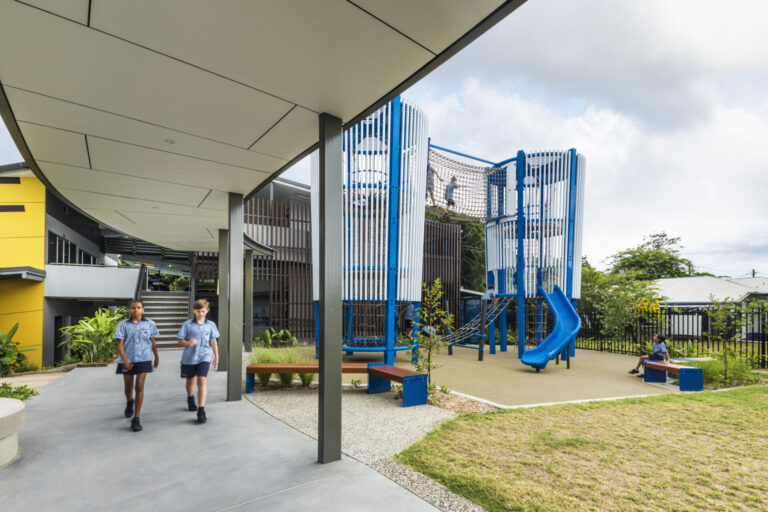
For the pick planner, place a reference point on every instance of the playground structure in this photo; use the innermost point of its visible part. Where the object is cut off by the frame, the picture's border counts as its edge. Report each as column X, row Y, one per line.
column 532, row 206
column 384, row 185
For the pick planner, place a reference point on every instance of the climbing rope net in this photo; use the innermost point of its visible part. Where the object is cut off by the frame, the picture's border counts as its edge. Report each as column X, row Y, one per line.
column 471, row 196
column 475, row 326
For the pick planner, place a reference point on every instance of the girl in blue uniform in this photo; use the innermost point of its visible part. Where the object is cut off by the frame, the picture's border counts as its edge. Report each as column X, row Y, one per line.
column 199, row 337
column 135, row 345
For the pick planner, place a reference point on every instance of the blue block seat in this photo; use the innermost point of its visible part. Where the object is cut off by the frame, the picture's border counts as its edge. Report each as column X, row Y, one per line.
column 380, row 377
column 691, row 379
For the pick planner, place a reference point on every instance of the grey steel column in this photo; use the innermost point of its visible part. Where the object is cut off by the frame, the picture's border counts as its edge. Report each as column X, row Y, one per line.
column 329, row 406
column 235, row 288
column 223, row 319
column 248, row 306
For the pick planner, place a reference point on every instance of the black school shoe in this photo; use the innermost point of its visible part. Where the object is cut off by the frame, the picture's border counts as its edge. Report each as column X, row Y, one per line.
column 136, row 425
column 634, row 371
column 191, row 403
column 129, row 408
column 201, row 415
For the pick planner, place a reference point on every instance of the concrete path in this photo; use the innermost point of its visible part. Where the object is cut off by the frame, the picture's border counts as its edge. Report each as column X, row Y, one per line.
column 78, row 453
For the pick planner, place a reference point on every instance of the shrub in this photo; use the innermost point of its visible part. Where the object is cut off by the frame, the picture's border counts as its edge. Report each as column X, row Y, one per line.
column 93, row 338
column 306, row 379
column 25, row 366
column 18, row 392
column 10, row 354
column 276, row 339
column 278, row 356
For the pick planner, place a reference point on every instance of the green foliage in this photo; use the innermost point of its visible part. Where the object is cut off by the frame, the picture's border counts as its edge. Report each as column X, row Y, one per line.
column 25, row 366
column 11, row 356
column 179, row 284
column 656, row 258
column 18, row 392
column 93, row 338
column 397, row 389
column 473, row 255
column 431, row 317
column 728, row 320
column 276, row 339
column 306, row 379
column 738, row 372
column 279, row 356
column 356, row 383
column 444, row 389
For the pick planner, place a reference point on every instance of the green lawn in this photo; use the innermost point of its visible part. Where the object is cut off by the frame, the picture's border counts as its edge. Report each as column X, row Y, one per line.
column 697, row 451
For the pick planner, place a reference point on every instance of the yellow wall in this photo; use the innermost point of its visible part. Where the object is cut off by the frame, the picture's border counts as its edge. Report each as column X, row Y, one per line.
column 22, row 244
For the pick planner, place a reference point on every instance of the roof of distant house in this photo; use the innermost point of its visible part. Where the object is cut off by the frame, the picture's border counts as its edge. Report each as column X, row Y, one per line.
column 701, row 289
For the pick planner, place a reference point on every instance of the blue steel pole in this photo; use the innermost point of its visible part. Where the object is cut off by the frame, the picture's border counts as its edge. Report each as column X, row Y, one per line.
column 571, row 235
column 503, row 315
column 394, row 225
column 520, row 271
column 491, row 321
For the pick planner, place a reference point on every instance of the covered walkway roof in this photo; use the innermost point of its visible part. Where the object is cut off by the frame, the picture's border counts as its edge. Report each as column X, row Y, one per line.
column 145, row 115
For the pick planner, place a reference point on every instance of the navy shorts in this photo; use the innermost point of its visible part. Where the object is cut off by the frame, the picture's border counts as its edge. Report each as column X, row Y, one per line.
column 137, row 368
column 655, row 357
column 450, row 202
column 189, row 371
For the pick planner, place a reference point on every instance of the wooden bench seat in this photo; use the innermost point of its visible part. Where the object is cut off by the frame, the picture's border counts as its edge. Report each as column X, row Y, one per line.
column 380, row 377
column 253, row 369
column 691, row 379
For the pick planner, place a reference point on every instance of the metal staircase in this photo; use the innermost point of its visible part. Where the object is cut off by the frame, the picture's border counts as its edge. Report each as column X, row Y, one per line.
column 168, row 310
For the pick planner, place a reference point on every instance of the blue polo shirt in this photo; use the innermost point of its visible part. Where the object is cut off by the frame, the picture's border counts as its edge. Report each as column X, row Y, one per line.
column 659, row 349
column 449, row 189
column 204, row 333
column 489, row 294
column 136, row 339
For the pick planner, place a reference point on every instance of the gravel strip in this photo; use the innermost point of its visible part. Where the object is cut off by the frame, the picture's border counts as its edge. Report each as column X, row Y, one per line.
column 373, row 427
column 424, row 487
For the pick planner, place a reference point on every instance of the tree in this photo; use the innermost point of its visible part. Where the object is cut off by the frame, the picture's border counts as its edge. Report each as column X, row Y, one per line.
column 433, row 322
column 656, row 258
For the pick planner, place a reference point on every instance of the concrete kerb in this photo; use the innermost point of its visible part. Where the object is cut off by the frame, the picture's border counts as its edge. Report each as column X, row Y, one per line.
column 11, row 420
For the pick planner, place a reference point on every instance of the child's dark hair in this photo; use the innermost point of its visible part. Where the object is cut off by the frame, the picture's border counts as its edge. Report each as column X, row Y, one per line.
column 134, row 301
column 201, row 304
column 661, row 337
column 490, row 287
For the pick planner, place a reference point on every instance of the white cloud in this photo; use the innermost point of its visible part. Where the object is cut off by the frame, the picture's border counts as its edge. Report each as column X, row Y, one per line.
column 703, row 183
column 8, row 152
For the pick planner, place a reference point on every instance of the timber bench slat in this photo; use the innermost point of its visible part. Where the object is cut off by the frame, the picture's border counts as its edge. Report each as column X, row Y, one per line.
column 691, row 378
column 303, row 368
column 391, row 372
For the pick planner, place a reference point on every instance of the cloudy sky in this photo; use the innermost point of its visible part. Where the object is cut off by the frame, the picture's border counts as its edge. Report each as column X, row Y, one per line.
column 667, row 99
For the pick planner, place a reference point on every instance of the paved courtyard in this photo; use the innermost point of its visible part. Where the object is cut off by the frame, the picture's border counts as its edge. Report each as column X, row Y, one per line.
column 78, row 453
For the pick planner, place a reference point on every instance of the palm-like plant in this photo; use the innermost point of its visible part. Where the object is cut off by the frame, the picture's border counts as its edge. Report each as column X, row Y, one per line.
column 93, row 338
column 10, row 353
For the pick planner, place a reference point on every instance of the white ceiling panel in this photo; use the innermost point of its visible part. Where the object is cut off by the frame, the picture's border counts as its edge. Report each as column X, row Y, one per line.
column 158, row 110
column 75, row 10
column 433, row 23
column 120, row 185
column 296, row 132
column 159, row 165
column 77, row 64
column 47, row 111
column 216, row 200
column 201, row 220
column 52, row 145
column 106, row 201
column 286, row 47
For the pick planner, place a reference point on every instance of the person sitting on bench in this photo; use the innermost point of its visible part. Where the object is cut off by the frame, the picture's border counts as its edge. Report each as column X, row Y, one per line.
column 658, row 353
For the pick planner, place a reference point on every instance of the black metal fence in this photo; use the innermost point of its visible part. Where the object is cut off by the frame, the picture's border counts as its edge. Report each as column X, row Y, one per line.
column 689, row 332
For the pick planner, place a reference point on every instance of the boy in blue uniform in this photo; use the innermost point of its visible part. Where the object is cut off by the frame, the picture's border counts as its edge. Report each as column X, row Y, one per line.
column 199, row 337
column 658, row 353
column 135, row 345
column 449, row 191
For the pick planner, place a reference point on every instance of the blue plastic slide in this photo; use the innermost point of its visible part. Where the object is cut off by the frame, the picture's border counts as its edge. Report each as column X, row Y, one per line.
column 567, row 325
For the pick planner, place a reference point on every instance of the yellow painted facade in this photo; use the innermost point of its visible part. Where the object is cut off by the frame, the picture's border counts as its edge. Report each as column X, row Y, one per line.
column 22, row 244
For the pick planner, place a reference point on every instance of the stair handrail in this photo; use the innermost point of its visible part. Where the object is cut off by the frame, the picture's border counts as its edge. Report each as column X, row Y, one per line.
column 140, row 281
